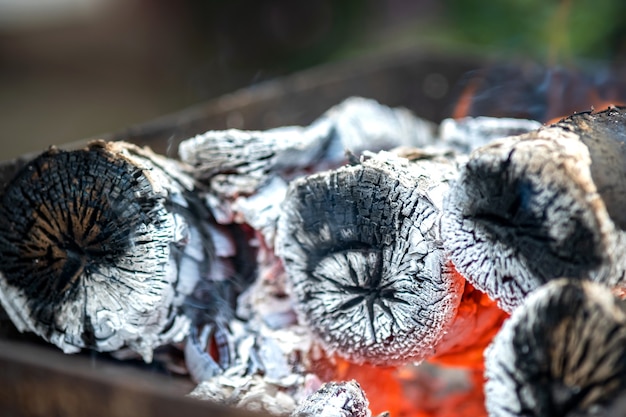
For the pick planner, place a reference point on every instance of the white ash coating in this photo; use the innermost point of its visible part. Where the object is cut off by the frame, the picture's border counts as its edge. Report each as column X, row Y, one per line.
column 469, row 133
column 263, row 354
column 362, row 251
column 119, row 253
column 357, row 124
column 247, row 171
column 267, row 369
column 560, row 354
column 335, row 399
column 526, row 210
column 250, row 392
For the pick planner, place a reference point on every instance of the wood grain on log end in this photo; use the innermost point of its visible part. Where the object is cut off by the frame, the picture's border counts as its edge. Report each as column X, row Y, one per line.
column 561, row 354
column 362, row 249
column 96, row 249
column 535, row 207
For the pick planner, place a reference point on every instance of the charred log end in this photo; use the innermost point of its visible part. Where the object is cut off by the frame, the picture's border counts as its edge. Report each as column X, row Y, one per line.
column 523, row 212
column 360, row 247
column 561, row 353
column 86, row 242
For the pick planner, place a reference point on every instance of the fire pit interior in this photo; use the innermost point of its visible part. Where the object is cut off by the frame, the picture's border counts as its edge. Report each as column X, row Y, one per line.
column 363, row 269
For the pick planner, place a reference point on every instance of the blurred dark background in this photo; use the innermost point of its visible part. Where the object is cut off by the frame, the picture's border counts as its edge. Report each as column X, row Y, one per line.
column 71, row 69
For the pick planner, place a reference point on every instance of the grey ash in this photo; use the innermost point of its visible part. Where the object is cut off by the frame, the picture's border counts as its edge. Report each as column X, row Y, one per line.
column 335, row 399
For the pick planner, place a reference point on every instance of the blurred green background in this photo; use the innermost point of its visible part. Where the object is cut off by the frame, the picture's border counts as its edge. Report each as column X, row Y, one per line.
column 71, row 69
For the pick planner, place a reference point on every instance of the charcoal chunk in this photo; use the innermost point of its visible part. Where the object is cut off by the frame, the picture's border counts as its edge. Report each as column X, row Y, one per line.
column 362, row 250
column 528, row 209
column 100, row 248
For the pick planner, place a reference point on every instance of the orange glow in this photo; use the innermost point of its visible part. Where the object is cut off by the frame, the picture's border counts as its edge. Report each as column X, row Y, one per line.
column 433, row 396
column 382, row 387
column 449, row 384
column 464, row 103
column 598, row 104
column 533, row 92
column 570, row 92
column 477, row 321
column 426, row 390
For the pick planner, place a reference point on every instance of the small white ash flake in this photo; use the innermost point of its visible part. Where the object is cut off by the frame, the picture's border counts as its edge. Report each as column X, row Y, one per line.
column 267, row 367
column 335, row 399
column 251, row 392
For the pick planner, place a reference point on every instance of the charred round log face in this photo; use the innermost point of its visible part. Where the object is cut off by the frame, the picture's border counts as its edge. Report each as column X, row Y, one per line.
column 561, row 354
column 536, row 207
column 361, row 248
column 87, row 240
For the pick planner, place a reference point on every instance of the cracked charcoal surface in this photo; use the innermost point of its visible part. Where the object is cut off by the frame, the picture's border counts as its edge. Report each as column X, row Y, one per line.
column 361, row 248
column 97, row 251
column 561, row 354
column 535, row 207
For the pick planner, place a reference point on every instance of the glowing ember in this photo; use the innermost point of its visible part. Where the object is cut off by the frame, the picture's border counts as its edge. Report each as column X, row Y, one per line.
column 477, row 321
column 427, row 390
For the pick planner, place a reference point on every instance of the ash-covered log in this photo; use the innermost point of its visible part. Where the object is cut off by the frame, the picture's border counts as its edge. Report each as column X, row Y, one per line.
column 362, row 250
column 100, row 247
column 561, row 354
column 547, row 204
column 247, row 172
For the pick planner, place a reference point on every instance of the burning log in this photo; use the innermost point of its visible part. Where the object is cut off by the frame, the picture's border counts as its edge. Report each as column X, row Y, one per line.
column 131, row 250
column 361, row 247
column 100, row 247
column 561, row 354
column 539, row 206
